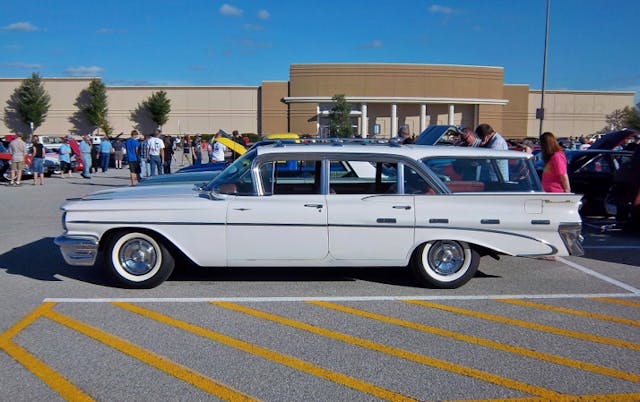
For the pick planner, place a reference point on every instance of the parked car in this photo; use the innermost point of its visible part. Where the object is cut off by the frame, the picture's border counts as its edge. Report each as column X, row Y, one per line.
column 623, row 198
column 435, row 209
column 591, row 173
column 615, row 139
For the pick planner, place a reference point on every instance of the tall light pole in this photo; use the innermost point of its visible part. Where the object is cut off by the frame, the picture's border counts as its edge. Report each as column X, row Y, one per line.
column 540, row 111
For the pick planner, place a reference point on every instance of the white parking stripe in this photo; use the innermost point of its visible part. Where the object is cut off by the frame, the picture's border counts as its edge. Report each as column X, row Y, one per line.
column 599, row 276
column 603, row 247
column 336, row 298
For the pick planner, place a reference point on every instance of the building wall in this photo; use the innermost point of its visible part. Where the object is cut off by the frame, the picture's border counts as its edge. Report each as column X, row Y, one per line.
column 515, row 113
column 574, row 113
column 193, row 109
column 206, row 109
column 273, row 112
column 396, row 81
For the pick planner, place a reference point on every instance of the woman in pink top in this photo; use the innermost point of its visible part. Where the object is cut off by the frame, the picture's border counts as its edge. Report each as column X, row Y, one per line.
column 554, row 175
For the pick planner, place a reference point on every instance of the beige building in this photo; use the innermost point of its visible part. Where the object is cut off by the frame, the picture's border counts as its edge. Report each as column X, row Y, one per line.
column 383, row 97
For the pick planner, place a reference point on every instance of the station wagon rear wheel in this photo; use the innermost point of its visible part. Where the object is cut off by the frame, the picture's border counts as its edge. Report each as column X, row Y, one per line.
column 138, row 260
column 445, row 263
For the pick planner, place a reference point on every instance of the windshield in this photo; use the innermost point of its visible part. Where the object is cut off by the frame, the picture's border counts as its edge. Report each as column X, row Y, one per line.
column 236, row 178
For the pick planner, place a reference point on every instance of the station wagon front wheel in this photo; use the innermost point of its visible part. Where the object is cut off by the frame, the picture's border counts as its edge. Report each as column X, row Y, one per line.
column 445, row 263
column 138, row 260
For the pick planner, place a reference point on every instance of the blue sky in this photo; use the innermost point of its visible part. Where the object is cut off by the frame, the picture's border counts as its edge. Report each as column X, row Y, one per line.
column 593, row 44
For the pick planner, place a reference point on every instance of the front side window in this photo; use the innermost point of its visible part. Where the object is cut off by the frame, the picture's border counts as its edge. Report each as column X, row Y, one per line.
column 292, row 176
column 236, row 178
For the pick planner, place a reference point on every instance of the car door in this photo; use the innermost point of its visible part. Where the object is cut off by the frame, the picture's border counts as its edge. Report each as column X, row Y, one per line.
column 368, row 219
column 285, row 225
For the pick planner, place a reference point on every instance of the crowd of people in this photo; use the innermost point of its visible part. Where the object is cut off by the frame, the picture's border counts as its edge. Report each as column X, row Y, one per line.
column 145, row 155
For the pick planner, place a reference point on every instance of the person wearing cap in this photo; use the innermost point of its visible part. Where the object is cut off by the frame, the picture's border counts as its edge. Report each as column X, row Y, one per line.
column 64, row 153
column 85, row 150
column 404, row 136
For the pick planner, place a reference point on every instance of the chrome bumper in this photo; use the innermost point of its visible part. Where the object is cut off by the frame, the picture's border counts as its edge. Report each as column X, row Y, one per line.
column 78, row 250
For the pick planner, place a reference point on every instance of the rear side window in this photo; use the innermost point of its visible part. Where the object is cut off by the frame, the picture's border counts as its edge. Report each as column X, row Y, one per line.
column 461, row 175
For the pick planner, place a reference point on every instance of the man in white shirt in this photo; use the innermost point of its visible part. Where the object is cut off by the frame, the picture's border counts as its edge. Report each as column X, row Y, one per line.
column 156, row 153
column 218, row 150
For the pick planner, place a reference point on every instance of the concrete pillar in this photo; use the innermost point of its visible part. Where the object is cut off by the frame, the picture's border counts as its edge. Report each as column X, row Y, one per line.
column 394, row 120
column 423, row 117
column 452, row 111
column 318, row 120
column 364, row 121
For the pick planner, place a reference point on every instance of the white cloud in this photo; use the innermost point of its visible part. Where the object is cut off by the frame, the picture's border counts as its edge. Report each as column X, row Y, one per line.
column 253, row 27
column 374, row 43
column 264, row 14
column 22, row 27
column 227, row 9
column 438, row 9
column 23, row 66
column 83, row 71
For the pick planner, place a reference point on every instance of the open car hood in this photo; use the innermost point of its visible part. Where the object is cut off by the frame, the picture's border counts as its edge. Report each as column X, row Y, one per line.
column 433, row 135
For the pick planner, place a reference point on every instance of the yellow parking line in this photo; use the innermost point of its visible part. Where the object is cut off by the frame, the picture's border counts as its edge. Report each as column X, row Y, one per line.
column 484, row 342
column 49, row 376
column 634, row 397
column 148, row 357
column 27, row 320
column 538, row 327
column 265, row 353
column 396, row 352
column 555, row 309
column 622, row 302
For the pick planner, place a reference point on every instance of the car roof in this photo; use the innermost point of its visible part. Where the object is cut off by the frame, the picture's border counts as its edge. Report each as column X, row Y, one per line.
column 413, row 151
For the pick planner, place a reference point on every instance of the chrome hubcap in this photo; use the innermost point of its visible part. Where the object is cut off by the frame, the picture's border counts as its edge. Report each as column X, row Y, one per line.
column 446, row 257
column 138, row 257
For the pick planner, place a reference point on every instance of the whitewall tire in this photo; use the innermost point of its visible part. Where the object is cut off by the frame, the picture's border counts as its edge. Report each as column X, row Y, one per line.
column 445, row 263
column 138, row 260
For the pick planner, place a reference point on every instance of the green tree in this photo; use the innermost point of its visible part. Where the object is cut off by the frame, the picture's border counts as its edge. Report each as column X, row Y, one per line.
column 159, row 107
column 633, row 120
column 30, row 102
column 96, row 107
column 629, row 117
column 339, row 117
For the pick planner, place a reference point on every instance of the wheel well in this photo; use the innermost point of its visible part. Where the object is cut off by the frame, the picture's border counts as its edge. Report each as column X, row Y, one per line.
column 176, row 252
column 482, row 251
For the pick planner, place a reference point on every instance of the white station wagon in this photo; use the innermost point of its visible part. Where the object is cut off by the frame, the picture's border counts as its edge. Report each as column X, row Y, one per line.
column 435, row 209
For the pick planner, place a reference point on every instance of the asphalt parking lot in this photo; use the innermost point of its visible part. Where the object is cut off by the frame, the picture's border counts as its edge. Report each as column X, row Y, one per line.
column 522, row 328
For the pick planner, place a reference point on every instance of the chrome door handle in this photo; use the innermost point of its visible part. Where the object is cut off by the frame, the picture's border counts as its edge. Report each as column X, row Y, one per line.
column 406, row 207
column 313, row 205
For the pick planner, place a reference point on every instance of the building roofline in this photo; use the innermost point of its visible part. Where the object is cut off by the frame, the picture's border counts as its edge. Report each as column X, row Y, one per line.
column 397, row 99
column 569, row 91
column 393, row 64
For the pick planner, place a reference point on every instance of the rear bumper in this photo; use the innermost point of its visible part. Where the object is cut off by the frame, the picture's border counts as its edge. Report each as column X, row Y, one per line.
column 78, row 250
